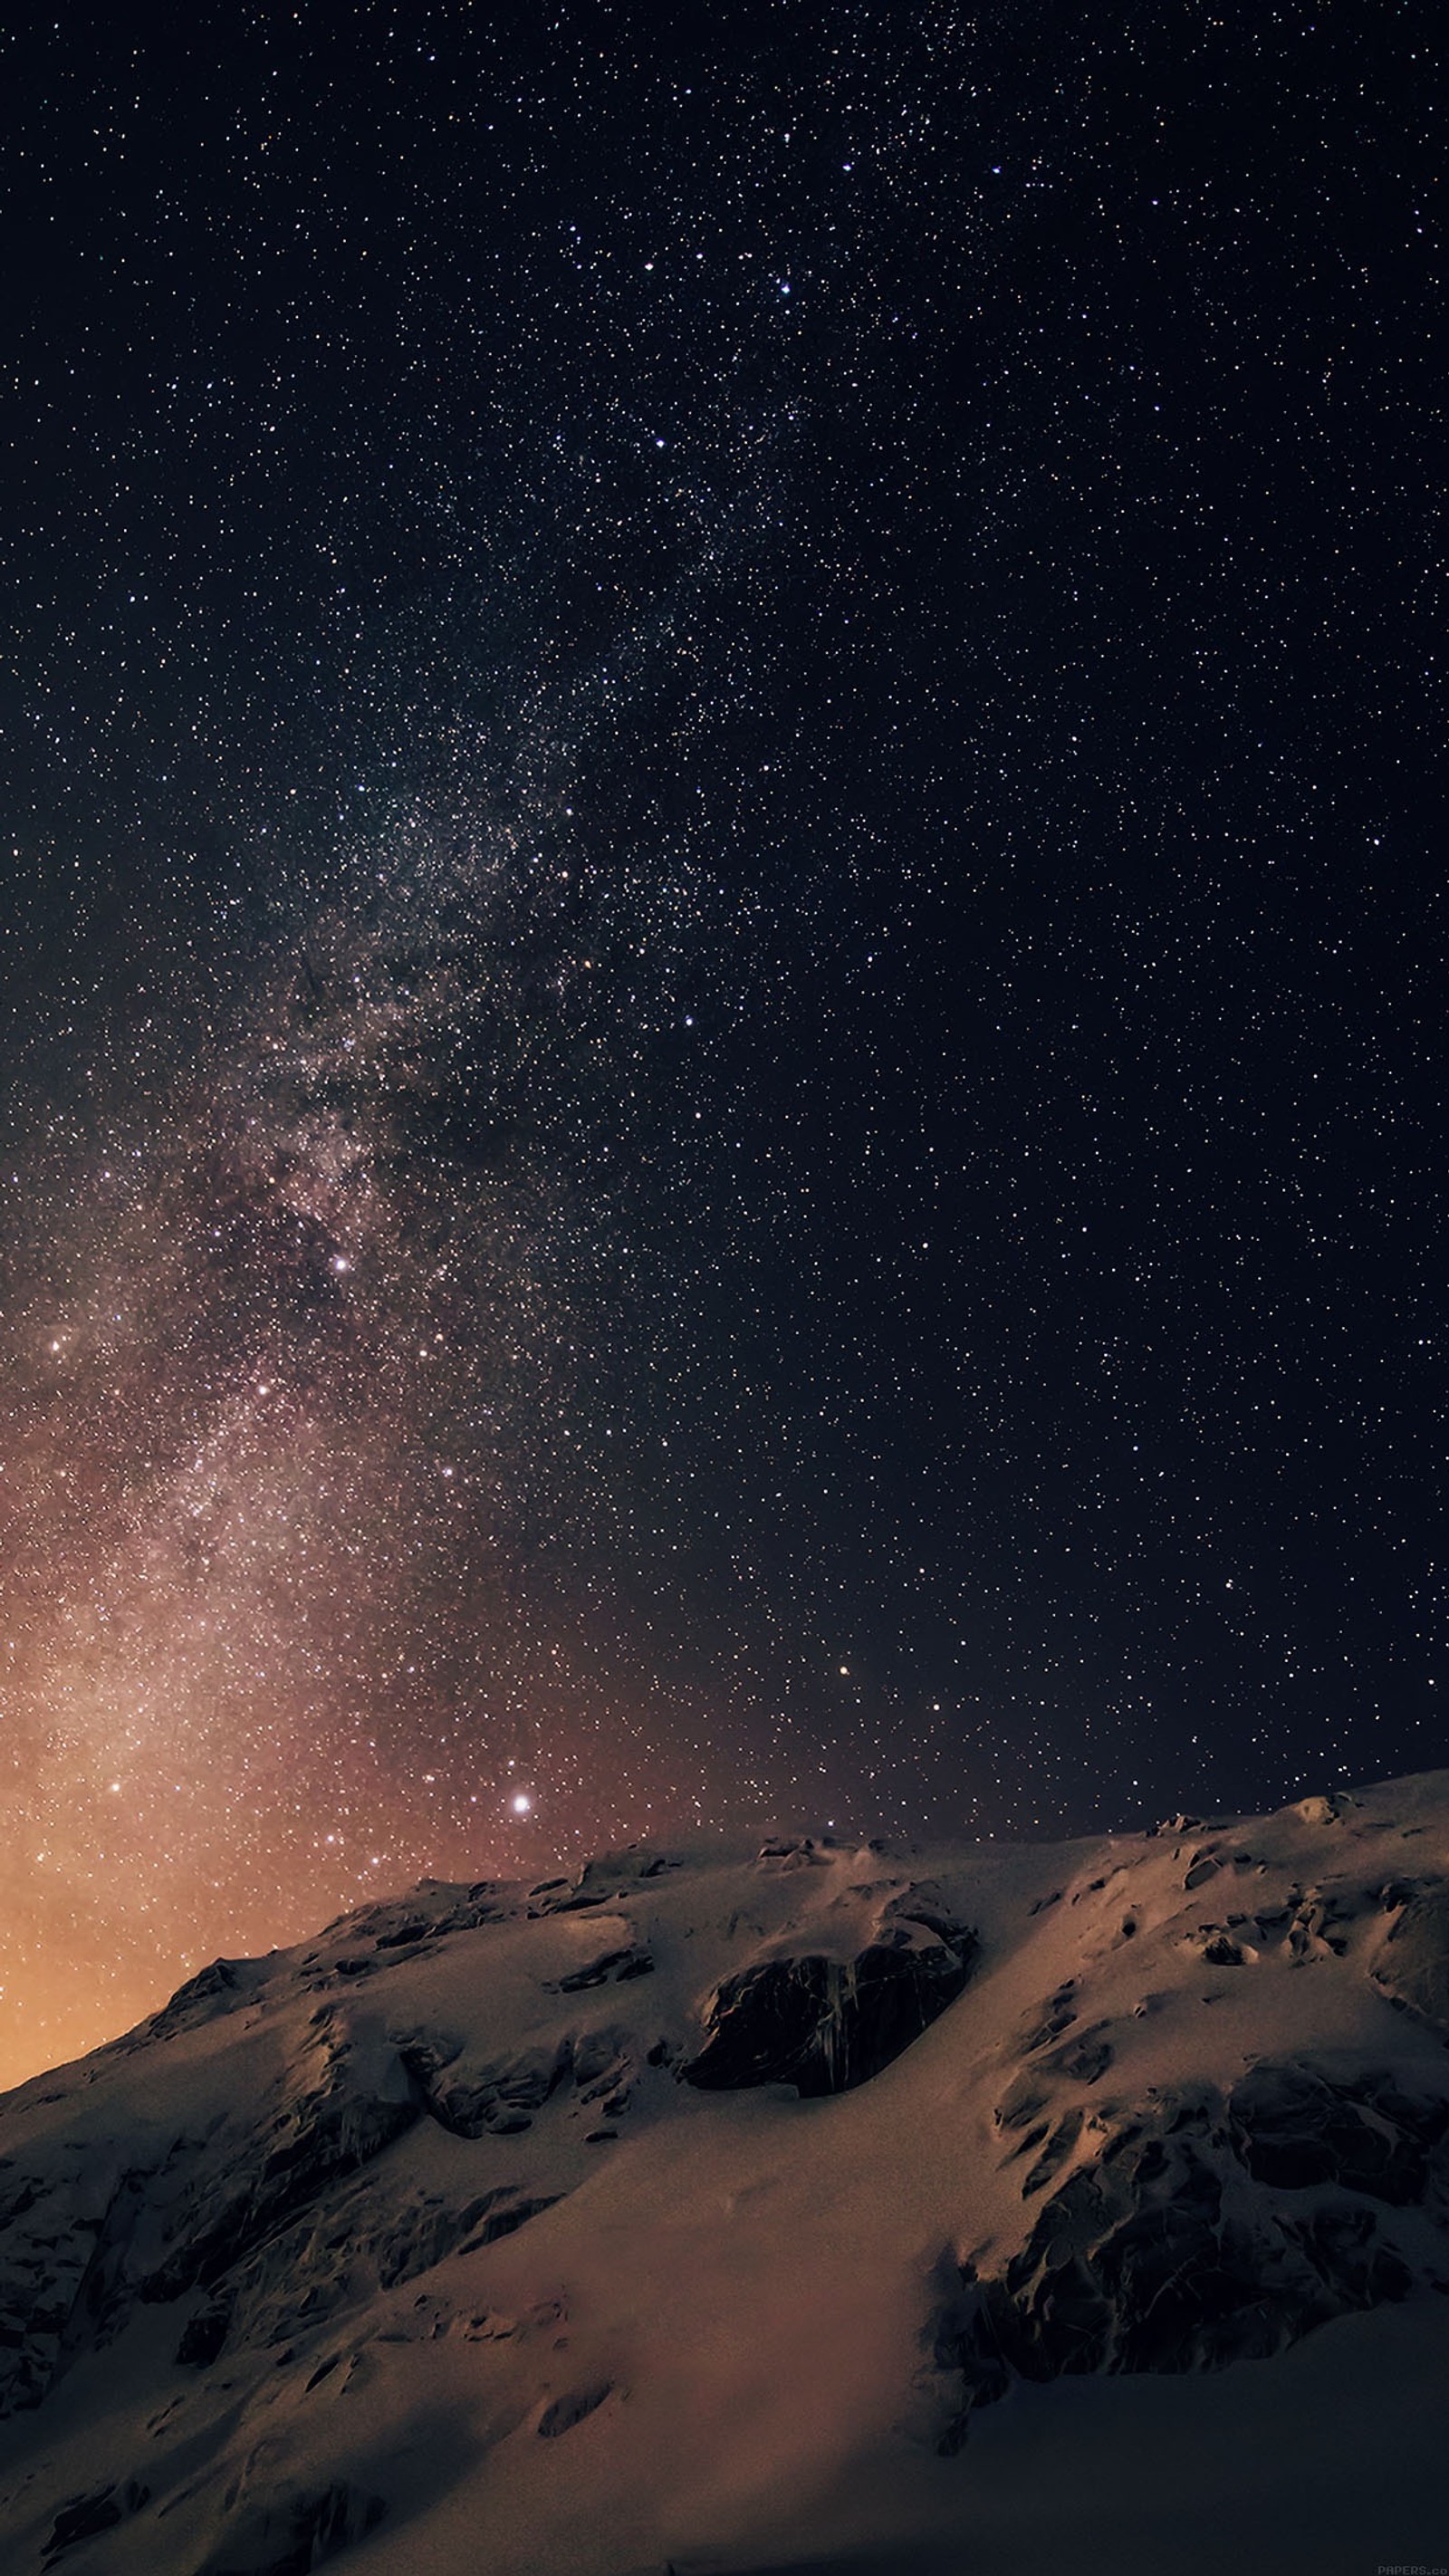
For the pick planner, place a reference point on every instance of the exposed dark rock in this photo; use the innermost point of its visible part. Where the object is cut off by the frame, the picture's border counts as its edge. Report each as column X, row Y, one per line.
column 318, row 2134
column 499, row 2098
column 509, row 2213
column 1085, row 2058
column 795, row 1849
column 426, row 2054
column 421, row 2235
column 621, row 1962
column 59, row 2278
column 565, row 1896
column 822, row 2026
column 565, row 2412
column 611, row 1872
column 1047, row 2021
column 1024, row 2099
column 1292, row 2129
column 1026, row 2146
column 1054, row 2155
column 1318, row 1921
column 351, row 2243
column 1136, row 2264
column 323, row 2135
column 211, row 1993
column 19, row 2194
column 97, row 2512
column 204, row 2335
column 1326, row 1809
column 926, row 1904
column 481, row 1906
column 1341, row 2242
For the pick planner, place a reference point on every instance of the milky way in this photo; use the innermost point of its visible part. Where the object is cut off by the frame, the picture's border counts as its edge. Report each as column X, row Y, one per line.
column 720, row 958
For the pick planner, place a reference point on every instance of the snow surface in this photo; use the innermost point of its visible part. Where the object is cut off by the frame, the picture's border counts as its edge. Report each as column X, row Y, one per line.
column 466, row 2240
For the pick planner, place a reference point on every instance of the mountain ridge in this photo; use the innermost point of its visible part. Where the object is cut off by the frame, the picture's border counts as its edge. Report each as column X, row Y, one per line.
column 723, row 2209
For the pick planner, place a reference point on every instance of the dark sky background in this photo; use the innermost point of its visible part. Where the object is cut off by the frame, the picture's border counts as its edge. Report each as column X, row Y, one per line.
column 721, row 751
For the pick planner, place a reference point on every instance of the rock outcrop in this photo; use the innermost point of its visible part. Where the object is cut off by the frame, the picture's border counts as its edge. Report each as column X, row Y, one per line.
column 823, row 2024
column 1153, row 2257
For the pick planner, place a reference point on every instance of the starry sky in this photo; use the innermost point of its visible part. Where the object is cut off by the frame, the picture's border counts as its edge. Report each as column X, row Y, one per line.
column 720, row 792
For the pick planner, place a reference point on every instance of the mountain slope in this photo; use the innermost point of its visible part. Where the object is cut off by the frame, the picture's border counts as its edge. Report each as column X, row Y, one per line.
column 819, row 2207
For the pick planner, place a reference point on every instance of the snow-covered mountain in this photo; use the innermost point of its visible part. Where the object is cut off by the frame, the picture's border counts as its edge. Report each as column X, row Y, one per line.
column 822, row 2207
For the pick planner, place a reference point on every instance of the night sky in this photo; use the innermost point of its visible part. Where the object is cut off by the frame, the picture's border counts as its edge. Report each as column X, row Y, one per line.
column 721, row 735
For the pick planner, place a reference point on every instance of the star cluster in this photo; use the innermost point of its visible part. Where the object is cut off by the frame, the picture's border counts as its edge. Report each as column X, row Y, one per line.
column 721, row 955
